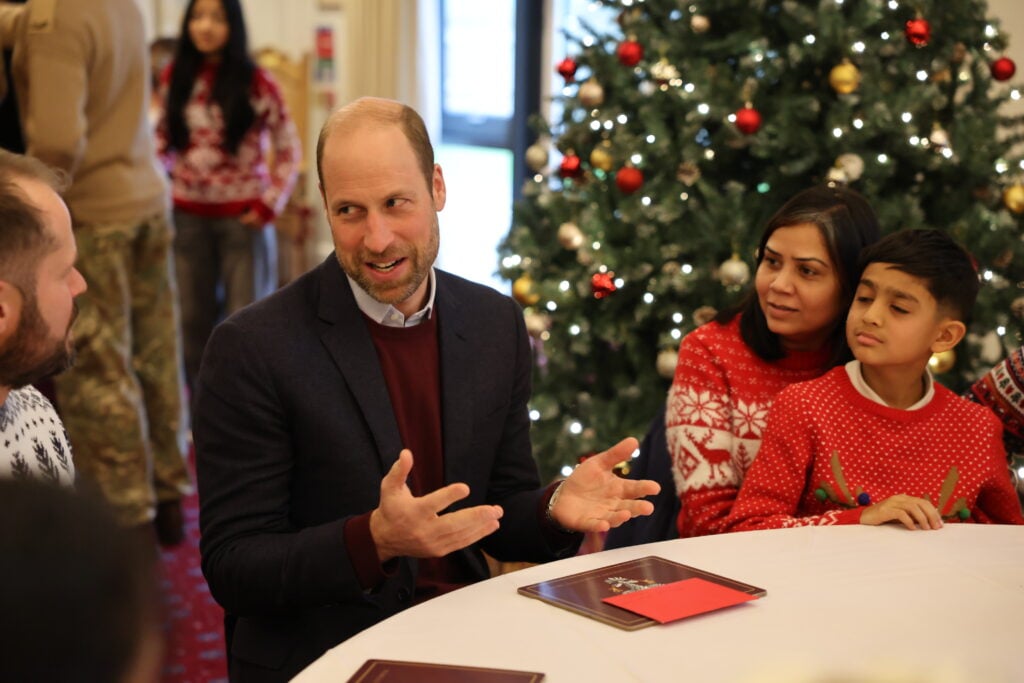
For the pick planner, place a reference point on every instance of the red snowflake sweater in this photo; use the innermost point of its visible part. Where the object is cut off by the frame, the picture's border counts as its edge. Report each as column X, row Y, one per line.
column 208, row 181
column 828, row 450
column 717, row 409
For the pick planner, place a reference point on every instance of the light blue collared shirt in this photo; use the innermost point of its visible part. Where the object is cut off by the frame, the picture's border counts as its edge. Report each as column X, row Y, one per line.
column 388, row 315
column 853, row 370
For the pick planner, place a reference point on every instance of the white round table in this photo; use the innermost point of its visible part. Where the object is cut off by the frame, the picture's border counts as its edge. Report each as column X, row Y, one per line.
column 866, row 603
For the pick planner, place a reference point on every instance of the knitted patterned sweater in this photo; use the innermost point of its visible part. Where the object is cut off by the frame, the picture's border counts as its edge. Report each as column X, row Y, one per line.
column 33, row 444
column 717, row 409
column 829, row 450
column 208, row 181
column 1002, row 390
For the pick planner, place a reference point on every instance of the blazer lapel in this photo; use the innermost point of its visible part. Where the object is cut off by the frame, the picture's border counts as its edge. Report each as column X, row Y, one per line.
column 350, row 346
column 456, row 382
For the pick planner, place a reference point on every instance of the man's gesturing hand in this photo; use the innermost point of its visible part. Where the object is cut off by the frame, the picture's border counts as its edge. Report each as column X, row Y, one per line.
column 403, row 525
column 594, row 498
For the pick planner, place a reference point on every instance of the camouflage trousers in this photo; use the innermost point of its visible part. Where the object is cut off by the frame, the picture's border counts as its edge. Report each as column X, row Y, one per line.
column 122, row 403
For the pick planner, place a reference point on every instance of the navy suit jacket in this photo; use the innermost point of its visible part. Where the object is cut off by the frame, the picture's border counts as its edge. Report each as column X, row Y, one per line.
column 294, row 430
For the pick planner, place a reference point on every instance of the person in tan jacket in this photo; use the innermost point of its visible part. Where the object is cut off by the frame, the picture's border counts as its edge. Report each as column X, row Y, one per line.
column 81, row 74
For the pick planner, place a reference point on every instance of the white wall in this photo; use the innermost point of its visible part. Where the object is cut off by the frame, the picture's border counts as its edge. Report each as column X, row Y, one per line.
column 1010, row 14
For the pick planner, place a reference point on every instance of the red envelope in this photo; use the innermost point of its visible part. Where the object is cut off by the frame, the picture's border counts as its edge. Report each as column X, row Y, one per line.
column 679, row 599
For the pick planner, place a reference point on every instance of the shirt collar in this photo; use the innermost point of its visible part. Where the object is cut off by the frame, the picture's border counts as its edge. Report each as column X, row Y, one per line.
column 857, row 378
column 388, row 315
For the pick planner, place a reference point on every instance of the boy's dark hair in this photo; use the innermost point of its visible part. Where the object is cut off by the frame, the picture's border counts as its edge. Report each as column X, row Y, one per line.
column 944, row 266
column 847, row 223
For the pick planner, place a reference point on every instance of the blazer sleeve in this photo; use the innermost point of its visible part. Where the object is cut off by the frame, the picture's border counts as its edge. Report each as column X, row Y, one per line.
column 255, row 559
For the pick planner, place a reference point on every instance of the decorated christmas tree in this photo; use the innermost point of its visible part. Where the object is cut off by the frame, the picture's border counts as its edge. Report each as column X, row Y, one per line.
column 681, row 130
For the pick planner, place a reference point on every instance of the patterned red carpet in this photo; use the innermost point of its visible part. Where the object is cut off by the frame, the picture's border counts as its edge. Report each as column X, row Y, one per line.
column 195, row 623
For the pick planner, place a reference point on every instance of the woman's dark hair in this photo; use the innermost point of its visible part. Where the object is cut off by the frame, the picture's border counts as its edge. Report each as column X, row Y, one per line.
column 847, row 224
column 231, row 86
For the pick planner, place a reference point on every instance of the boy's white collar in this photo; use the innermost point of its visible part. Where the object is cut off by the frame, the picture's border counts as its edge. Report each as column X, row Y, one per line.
column 857, row 379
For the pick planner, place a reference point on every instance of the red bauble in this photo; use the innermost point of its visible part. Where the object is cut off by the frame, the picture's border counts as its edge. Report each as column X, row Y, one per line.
column 1003, row 69
column 567, row 69
column 570, row 167
column 602, row 284
column 630, row 52
column 629, row 179
column 748, row 120
column 918, row 32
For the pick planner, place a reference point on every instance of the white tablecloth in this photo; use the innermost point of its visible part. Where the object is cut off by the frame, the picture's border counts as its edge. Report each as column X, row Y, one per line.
column 875, row 603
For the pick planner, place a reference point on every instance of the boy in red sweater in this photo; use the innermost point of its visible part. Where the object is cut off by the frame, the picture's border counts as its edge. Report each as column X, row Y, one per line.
column 878, row 440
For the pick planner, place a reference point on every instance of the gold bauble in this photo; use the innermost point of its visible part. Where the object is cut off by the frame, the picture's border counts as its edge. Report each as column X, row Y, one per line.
column 570, row 236
column 665, row 362
column 601, row 158
column 591, row 94
column 844, row 78
column 688, row 173
column 943, row 361
column 523, row 291
column 664, row 71
column 1013, row 198
column 734, row 272
column 537, row 157
column 704, row 314
column 537, row 324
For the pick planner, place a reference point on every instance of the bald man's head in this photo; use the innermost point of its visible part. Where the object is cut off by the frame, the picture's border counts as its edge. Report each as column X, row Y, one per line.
column 377, row 111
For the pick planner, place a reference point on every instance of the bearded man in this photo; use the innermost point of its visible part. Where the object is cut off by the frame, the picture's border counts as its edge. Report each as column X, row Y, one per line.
column 38, row 286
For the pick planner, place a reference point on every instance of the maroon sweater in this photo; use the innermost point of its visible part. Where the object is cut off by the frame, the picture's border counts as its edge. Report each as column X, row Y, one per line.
column 409, row 359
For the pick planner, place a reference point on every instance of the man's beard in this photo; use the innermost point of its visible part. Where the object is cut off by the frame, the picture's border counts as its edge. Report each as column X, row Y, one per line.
column 420, row 262
column 31, row 355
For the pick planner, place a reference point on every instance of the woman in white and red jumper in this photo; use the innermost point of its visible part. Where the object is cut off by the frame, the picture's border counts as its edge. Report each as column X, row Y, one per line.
column 789, row 328
column 222, row 115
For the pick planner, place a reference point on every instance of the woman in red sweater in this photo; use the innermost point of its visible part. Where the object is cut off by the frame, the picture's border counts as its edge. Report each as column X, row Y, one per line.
column 222, row 116
column 789, row 328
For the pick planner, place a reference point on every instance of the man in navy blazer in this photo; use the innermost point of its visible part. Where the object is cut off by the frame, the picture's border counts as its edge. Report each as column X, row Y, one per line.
column 313, row 403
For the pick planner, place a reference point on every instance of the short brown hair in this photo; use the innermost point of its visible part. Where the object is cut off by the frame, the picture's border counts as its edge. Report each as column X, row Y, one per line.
column 23, row 235
column 382, row 112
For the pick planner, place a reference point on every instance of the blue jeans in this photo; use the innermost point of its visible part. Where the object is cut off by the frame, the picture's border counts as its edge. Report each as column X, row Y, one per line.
column 221, row 265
